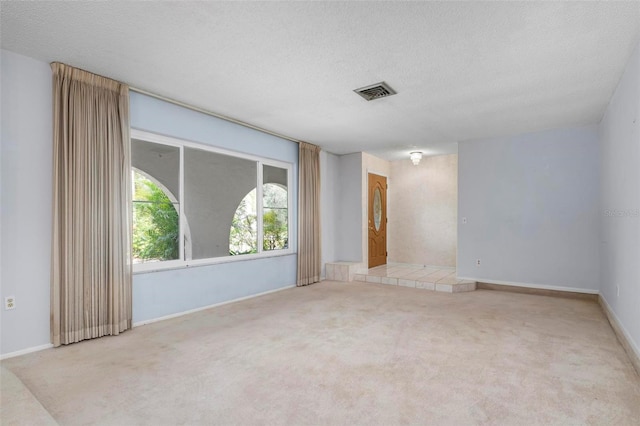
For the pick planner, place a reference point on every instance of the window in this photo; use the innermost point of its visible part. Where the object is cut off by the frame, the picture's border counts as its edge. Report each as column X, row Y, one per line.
column 195, row 204
column 275, row 217
column 156, row 227
column 275, row 220
column 243, row 235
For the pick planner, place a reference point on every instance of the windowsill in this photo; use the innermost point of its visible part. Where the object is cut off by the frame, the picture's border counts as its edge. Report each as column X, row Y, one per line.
column 145, row 268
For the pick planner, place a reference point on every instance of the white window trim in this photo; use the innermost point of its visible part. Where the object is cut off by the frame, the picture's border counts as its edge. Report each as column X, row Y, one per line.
column 261, row 161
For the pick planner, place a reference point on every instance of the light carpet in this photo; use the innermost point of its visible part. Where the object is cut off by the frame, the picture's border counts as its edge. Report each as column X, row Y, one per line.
column 348, row 353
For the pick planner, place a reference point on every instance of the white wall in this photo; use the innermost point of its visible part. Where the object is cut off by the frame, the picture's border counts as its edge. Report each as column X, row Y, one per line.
column 27, row 143
column 620, row 197
column 330, row 186
column 423, row 211
column 532, row 206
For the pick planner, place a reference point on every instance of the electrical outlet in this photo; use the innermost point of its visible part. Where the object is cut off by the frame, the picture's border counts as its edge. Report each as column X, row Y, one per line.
column 478, row 262
column 9, row 302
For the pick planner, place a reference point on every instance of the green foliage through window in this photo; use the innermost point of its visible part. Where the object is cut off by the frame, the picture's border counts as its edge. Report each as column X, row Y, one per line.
column 243, row 238
column 274, row 219
column 156, row 225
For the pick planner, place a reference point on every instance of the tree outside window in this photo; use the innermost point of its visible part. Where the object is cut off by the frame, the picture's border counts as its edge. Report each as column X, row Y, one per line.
column 243, row 234
column 156, row 228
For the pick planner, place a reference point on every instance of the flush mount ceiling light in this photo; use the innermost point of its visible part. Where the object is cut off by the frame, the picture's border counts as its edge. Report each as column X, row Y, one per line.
column 375, row 91
column 415, row 156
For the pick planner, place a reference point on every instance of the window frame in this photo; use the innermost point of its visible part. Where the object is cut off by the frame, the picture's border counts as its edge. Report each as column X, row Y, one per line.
column 260, row 162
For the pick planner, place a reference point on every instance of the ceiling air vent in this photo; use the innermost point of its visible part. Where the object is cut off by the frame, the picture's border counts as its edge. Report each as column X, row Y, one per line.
column 375, row 91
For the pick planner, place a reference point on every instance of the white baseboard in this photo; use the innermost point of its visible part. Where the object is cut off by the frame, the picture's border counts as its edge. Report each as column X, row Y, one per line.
column 627, row 342
column 179, row 314
column 531, row 285
column 26, row 351
column 191, row 311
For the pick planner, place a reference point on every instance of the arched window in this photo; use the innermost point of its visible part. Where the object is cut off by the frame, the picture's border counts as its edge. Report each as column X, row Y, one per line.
column 243, row 235
column 156, row 224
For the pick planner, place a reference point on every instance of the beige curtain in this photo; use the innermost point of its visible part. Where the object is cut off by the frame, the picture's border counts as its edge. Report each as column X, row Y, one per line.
column 309, row 265
column 91, row 255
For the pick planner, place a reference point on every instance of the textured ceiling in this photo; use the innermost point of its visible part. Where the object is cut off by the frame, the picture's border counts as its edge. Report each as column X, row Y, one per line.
column 461, row 70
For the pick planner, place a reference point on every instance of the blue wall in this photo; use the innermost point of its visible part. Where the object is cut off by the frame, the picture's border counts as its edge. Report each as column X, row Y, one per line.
column 620, row 202
column 25, row 200
column 162, row 293
column 532, row 207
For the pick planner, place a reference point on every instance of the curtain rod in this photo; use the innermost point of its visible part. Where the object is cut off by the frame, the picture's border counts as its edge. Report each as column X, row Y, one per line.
column 213, row 114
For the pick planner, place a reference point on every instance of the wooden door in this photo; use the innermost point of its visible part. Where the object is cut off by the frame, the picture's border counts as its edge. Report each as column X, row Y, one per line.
column 377, row 220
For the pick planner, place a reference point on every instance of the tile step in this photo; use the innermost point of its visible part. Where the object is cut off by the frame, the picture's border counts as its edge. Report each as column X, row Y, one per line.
column 444, row 285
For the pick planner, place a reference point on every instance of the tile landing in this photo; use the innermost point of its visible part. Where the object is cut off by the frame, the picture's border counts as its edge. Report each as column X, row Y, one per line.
column 416, row 276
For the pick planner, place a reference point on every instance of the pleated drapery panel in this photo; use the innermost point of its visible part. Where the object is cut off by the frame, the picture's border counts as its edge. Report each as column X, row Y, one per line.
column 91, row 241
column 309, row 262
